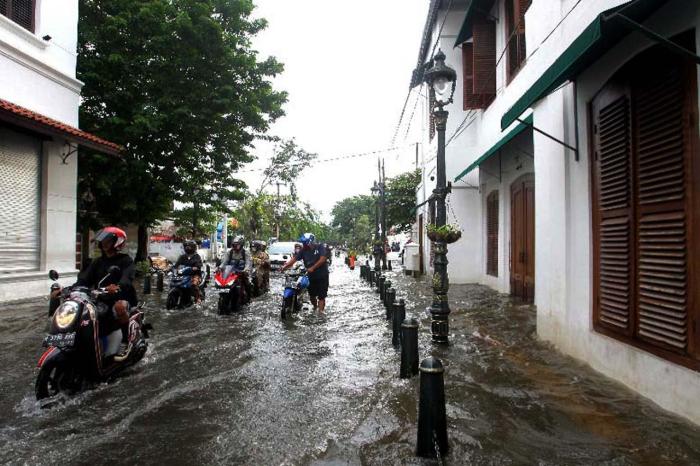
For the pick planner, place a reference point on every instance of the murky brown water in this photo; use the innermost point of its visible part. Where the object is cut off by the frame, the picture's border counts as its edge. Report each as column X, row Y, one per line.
column 250, row 389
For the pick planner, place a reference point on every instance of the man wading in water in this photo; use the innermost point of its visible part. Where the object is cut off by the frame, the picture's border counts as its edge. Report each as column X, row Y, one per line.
column 314, row 257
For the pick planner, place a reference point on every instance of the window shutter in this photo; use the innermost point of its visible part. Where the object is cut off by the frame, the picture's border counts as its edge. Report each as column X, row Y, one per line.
column 19, row 11
column 431, row 117
column 521, row 7
column 471, row 100
column 661, row 181
column 484, row 36
column 492, row 234
column 613, row 216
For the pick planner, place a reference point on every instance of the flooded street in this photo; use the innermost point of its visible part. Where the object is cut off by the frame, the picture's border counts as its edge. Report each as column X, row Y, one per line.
column 251, row 389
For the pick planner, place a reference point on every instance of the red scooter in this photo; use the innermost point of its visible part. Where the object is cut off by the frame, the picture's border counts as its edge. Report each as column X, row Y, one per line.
column 77, row 354
column 229, row 285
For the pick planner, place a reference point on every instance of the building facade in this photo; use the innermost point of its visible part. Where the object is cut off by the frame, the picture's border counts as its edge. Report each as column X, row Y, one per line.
column 573, row 145
column 39, row 140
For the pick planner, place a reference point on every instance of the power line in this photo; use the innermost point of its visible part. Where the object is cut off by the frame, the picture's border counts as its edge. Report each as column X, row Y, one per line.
column 342, row 157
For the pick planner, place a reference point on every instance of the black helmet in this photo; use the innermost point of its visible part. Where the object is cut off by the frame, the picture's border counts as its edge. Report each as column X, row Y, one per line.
column 190, row 246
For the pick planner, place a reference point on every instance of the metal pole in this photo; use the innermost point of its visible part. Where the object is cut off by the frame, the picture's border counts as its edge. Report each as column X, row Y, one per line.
column 382, row 187
column 432, row 416
column 440, row 309
column 409, row 348
column 277, row 214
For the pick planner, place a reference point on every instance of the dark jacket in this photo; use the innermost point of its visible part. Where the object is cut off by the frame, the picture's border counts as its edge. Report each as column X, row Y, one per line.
column 99, row 269
column 311, row 256
column 190, row 261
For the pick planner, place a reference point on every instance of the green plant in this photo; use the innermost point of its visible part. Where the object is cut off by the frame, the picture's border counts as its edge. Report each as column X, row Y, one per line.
column 143, row 268
column 446, row 233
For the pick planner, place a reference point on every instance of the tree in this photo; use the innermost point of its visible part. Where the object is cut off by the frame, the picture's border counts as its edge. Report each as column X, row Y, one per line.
column 401, row 200
column 286, row 165
column 353, row 220
column 177, row 84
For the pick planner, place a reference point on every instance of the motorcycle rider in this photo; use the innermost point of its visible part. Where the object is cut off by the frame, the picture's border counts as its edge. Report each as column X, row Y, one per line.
column 261, row 262
column 240, row 261
column 120, row 289
column 314, row 256
column 191, row 259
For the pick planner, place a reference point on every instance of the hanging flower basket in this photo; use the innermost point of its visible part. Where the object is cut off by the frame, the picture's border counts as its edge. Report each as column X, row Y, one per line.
column 444, row 234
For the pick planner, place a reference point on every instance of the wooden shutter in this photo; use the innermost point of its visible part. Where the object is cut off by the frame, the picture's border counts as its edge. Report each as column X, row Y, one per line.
column 613, row 216
column 471, row 100
column 484, row 37
column 661, row 183
column 431, row 117
column 19, row 11
column 492, row 234
column 521, row 7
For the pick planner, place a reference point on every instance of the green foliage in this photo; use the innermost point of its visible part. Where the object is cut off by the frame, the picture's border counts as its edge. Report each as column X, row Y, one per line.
column 196, row 222
column 257, row 219
column 176, row 83
column 401, row 200
column 353, row 220
column 143, row 268
column 286, row 165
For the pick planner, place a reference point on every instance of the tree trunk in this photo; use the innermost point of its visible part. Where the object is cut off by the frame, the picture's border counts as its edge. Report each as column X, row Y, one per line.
column 142, row 247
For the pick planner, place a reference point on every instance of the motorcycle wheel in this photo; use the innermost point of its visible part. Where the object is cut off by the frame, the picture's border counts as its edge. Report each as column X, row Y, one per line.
column 235, row 300
column 53, row 378
column 223, row 304
column 173, row 299
column 287, row 307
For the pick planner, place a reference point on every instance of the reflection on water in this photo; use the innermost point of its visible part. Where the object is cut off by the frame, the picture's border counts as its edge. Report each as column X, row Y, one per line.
column 324, row 389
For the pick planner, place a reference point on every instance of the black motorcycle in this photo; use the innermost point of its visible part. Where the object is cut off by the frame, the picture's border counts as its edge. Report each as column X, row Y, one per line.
column 181, row 294
column 77, row 354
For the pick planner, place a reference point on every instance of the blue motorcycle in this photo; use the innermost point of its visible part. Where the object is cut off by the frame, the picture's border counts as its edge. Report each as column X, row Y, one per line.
column 181, row 294
column 295, row 282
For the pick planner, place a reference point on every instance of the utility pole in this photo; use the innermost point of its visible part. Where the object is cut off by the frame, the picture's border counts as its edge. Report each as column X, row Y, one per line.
column 277, row 213
column 383, row 218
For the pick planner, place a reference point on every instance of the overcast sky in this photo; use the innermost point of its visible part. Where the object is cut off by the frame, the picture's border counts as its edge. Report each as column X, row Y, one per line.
column 347, row 69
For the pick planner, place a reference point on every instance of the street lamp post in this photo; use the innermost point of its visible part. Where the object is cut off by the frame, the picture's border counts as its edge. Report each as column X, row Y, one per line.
column 443, row 80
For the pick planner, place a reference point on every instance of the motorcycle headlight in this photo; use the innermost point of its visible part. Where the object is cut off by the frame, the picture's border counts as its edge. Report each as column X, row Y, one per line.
column 66, row 314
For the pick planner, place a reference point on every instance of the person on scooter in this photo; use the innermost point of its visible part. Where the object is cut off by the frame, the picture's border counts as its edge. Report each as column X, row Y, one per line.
column 314, row 256
column 191, row 259
column 240, row 261
column 122, row 295
column 261, row 262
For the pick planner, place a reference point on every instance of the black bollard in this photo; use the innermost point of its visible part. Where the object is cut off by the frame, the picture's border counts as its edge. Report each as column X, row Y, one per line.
column 159, row 281
column 397, row 318
column 387, row 285
column 147, row 284
column 389, row 298
column 432, row 419
column 380, row 284
column 370, row 277
column 388, row 264
column 409, row 348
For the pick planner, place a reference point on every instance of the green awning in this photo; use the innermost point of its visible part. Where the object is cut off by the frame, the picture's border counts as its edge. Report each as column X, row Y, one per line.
column 475, row 6
column 599, row 37
column 527, row 122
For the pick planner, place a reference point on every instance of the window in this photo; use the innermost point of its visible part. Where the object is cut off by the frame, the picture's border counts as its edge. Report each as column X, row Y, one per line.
column 646, row 225
column 515, row 30
column 479, row 65
column 19, row 11
column 492, row 234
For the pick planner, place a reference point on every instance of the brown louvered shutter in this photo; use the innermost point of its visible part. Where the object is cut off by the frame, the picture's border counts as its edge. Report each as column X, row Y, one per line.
column 19, row 11
column 613, row 213
column 492, row 234
column 471, row 100
column 431, row 117
column 661, row 184
column 484, row 37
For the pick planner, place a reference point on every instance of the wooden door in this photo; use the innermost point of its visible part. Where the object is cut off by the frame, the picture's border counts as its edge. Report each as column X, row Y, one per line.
column 522, row 260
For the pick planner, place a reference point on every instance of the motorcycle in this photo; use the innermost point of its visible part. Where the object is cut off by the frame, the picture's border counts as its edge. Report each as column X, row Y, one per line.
column 295, row 282
column 76, row 354
column 229, row 285
column 181, row 294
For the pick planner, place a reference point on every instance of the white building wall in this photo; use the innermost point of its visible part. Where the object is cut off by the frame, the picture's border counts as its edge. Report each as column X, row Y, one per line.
column 40, row 75
column 564, row 274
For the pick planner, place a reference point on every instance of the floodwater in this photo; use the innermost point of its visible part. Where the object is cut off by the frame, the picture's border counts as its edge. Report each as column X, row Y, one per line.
column 324, row 389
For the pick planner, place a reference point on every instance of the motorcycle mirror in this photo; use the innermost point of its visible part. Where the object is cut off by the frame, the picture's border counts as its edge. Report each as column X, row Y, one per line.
column 53, row 275
column 114, row 271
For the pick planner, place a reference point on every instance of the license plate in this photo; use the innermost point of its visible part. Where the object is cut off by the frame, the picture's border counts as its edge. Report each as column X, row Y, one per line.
column 60, row 340
column 225, row 291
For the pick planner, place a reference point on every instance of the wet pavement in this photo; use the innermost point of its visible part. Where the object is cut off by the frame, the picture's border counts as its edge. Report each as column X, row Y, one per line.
column 324, row 389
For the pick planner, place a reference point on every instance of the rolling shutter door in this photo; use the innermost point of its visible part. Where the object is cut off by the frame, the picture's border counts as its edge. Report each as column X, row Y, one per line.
column 20, row 192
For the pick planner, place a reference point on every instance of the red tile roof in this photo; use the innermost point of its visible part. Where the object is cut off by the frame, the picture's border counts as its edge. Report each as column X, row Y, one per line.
column 26, row 118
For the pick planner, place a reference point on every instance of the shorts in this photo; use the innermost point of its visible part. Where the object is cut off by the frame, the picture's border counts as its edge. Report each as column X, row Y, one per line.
column 318, row 287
